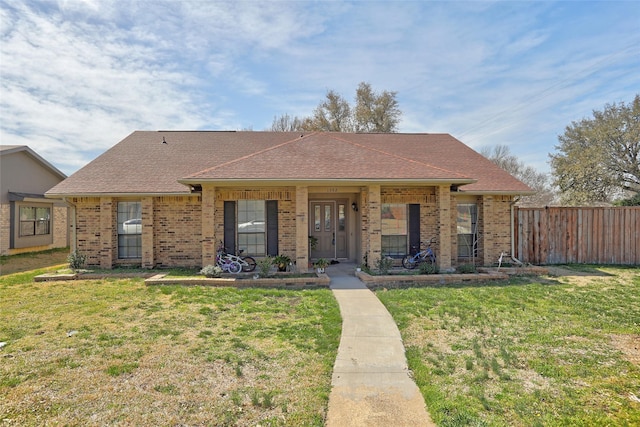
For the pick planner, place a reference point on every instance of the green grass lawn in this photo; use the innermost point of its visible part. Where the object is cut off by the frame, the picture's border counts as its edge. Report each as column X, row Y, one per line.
column 105, row 352
column 551, row 351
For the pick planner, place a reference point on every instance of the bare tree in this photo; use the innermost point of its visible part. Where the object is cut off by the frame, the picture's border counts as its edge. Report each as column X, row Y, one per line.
column 376, row 112
column 538, row 181
column 287, row 123
column 332, row 115
column 373, row 112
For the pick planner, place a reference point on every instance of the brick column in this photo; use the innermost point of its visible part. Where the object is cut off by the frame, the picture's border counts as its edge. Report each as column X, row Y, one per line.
column 487, row 236
column 108, row 233
column 302, row 228
column 443, row 206
column 208, row 225
column 375, row 225
column 148, row 250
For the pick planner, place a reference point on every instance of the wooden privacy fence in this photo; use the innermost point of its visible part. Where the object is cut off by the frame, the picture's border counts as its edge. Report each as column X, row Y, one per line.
column 584, row 235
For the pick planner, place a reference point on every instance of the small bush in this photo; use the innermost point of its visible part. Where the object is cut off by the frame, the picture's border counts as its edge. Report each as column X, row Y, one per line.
column 427, row 268
column 264, row 266
column 383, row 265
column 466, row 269
column 211, row 271
column 76, row 260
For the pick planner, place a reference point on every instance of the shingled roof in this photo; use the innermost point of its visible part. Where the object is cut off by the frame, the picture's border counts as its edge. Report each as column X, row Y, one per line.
column 166, row 162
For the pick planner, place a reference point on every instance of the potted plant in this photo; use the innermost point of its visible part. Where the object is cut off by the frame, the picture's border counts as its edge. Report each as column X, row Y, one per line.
column 281, row 261
column 321, row 264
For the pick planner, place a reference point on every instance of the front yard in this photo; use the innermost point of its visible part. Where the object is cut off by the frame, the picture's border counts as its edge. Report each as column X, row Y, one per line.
column 118, row 352
column 558, row 350
column 562, row 349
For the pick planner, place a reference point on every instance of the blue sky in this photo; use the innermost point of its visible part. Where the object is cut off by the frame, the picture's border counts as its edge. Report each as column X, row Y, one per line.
column 79, row 76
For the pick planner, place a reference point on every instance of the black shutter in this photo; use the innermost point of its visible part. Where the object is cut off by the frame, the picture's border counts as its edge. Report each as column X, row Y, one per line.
column 272, row 227
column 230, row 226
column 414, row 228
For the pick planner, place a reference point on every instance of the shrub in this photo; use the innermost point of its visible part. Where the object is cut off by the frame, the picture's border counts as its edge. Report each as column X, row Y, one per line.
column 211, row 271
column 466, row 269
column 427, row 268
column 264, row 265
column 76, row 260
column 384, row 264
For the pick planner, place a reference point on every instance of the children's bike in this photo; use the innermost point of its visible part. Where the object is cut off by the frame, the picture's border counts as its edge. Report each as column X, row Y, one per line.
column 226, row 264
column 426, row 255
column 247, row 263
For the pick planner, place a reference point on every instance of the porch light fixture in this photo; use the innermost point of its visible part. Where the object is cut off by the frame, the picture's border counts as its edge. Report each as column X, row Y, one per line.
column 354, row 206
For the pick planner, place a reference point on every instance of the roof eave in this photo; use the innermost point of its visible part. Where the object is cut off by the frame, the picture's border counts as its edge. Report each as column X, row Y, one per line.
column 337, row 182
column 496, row 192
column 124, row 194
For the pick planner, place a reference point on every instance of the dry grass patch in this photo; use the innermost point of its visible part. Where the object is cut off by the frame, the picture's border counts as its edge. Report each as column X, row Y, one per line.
column 107, row 352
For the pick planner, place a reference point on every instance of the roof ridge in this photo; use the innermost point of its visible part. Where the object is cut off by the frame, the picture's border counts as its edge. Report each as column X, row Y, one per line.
column 397, row 156
column 273, row 147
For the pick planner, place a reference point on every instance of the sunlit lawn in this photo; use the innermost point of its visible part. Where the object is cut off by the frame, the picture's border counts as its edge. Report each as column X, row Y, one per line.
column 548, row 351
column 107, row 352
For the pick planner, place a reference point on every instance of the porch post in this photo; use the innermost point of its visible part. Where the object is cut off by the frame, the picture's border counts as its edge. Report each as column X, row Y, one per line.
column 148, row 250
column 208, row 225
column 302, row 228
column 443, row 205
column 108, row 235
column 487, row 239
column 375, row 225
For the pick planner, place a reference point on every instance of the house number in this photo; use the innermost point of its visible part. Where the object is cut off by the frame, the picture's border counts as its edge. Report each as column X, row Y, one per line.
column 332, row 190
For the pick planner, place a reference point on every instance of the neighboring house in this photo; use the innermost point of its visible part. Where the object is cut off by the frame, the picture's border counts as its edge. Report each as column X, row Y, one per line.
column 28, row 221
column 164, row 199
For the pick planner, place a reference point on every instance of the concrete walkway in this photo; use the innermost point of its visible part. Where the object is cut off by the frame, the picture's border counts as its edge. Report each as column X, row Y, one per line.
column 371, row 385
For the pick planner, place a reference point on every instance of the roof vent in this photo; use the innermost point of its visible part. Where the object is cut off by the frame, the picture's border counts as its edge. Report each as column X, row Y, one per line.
column 163, row 140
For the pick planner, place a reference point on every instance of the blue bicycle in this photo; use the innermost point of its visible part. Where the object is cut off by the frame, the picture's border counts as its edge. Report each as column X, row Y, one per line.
column 426, row 255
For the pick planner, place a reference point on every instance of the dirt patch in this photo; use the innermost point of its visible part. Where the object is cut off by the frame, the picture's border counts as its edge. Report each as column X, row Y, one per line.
column 33, row 261
column 629, row 346
column 579, row 278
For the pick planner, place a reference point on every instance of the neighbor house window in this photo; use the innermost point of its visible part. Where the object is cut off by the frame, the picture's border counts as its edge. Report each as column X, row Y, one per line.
column 394, row 229
column 252, row 227
column 129, row 230
column 467, row 230
column 35, row 221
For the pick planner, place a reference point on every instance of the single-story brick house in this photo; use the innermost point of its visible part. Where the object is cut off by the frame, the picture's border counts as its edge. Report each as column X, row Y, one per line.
column 28, row 221
column 167, row 198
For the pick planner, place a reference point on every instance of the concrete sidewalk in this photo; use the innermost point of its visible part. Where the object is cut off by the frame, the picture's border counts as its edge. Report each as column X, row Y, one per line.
column 371, row 385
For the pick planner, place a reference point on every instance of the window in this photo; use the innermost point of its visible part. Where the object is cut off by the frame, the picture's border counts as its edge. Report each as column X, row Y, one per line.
column 252, row 227
column 394, row 229
column 35, row 221
column 467, row 230
column 129, row 230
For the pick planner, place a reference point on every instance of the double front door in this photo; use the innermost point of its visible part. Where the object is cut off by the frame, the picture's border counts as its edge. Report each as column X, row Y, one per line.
column 328, row 224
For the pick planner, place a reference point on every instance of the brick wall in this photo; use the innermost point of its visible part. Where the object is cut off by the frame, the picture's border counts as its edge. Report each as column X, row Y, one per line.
column 496, row 226
column 88, row 228
column 177, row 231
column 184, row 230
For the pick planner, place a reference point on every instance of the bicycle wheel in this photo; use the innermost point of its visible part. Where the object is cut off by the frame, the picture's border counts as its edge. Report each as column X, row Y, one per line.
column 249, row 265
column 409, row 262
column 234, row 267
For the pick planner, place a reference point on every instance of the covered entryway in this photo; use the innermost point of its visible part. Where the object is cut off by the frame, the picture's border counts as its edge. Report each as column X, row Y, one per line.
column 328, row 224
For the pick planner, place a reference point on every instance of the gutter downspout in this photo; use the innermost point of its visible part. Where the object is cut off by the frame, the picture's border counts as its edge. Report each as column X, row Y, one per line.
column 513, row 240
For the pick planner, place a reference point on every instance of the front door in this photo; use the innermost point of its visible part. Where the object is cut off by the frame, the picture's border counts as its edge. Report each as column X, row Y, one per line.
column 328, row 226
